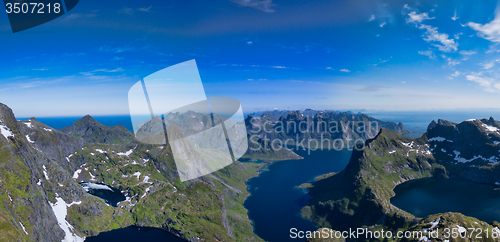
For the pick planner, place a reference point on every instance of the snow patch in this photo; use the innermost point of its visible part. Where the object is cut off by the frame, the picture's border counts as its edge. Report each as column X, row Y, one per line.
column 146, row 192
column 75, row 203
column 29, row 124
column 128, row 153
column 29, row 140
column 146, row 180
column 490, row 128
column 88, row 185
column 435, row 223
column 92, row 177
column 24, row 229
column 101, row 151
column 5, row 131
column 438, row 139
column 67, row 158
column 138, row 174
column 45, row 173
column 60, row 209
column 50, row 130
column 492, row 159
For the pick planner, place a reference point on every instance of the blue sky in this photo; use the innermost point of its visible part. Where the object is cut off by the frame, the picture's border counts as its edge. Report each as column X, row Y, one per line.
column 340, row 55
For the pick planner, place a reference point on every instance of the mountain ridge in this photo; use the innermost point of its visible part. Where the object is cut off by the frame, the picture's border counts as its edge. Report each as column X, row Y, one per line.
column 40, row 169
column 94, row 132
column 360, row 194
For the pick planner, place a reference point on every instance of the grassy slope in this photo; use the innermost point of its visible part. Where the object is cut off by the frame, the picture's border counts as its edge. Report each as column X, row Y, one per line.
column 191, row 209
column 360, row 195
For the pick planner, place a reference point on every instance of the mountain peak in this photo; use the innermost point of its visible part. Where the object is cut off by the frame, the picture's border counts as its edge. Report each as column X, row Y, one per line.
column 88, row 118
column 94, row 132
column 446, row 122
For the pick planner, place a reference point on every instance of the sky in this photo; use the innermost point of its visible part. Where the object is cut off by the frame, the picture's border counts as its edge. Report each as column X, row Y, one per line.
column 268, row 54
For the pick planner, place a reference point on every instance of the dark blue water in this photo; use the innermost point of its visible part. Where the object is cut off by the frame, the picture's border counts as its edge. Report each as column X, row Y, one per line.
column 110, row 197
column 134, row 234
column 61, row 122
column 428, row 196
column 275, row 201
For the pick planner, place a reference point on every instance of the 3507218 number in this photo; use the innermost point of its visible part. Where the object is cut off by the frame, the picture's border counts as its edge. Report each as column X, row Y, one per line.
column 32, row 8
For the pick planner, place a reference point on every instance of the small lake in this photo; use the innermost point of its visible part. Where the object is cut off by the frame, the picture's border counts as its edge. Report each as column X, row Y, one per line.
column 428, row 196
column 133, row 234
column 275, row 201
column 111, row 195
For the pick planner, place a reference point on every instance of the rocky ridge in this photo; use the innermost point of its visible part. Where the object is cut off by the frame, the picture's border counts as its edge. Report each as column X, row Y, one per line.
column 40, row 169
column 360, row 194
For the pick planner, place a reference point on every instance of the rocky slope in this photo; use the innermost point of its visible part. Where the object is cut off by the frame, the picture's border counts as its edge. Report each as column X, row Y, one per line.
column 41, row 168
column 37, row 191
column 359, row 195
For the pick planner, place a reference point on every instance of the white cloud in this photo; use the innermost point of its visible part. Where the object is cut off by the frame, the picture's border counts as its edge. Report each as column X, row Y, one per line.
column 345, row 70
column 145, row 9
column 249, row 42
column 454, row 18
column 417, row 18
column 371, row 18
column 280, row 67
column 489, row 84
column 74, row 16
column 489, row 65
column 452, row 62
column 432, row 35
column 467, row 52
column 329, row 68
column 382, row 24
column 489, row 31
column 263, row 5
column 428, row 53
column 457, row 73
column 91, row 73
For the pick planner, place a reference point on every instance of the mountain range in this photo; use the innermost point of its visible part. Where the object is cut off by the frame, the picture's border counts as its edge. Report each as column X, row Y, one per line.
column 359, row 196
column 41, row 168
column 322, row 130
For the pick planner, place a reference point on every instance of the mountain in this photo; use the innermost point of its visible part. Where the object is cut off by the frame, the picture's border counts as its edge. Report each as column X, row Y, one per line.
column 41, row 198
column 94, row 132
column 309, row 112
column 360, row 194
column 37, row 192
column 324, row 130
